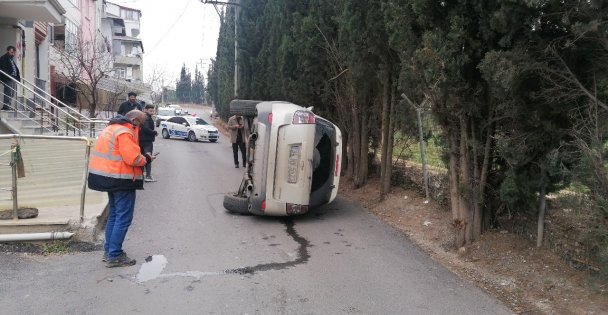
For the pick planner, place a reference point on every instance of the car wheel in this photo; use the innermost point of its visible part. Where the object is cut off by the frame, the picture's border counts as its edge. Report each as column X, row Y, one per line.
column 191, row 136
column 165, row 133
column 236, row 204
column 245, row 108
column 214, row 140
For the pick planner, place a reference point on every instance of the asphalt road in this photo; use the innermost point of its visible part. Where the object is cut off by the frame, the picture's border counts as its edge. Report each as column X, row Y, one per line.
column 195, row 258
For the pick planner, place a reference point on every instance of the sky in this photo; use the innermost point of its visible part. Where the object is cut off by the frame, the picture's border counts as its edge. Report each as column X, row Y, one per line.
column 176, row 32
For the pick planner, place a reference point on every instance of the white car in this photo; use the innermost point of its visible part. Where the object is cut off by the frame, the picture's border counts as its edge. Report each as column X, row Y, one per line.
column 293, row 160
column 164, row 113
column 189, row 127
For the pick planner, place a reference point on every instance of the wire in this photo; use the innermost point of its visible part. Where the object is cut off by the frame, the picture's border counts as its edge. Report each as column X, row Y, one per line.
column 170, row 28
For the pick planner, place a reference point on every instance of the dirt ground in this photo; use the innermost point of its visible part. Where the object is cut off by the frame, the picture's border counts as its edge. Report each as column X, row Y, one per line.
column 507, row 266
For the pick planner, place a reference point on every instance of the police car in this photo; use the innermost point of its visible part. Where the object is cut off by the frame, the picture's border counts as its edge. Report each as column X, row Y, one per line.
column 189, row 127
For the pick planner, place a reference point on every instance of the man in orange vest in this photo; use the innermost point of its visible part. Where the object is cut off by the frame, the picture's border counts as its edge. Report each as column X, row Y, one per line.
column 116, row 167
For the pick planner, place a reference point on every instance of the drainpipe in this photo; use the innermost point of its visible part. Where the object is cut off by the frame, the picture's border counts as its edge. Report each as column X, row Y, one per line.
column 35, row 236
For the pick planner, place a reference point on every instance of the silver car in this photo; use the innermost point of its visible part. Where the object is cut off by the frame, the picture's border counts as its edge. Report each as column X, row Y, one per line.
column 293, row 159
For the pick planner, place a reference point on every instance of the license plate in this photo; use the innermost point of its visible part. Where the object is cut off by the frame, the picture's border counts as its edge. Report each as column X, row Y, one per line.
column 292, row 164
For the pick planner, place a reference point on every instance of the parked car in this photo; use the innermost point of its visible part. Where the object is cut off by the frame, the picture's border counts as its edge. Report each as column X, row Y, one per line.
column 190, row 128
column 293, row 159
column 164, row 113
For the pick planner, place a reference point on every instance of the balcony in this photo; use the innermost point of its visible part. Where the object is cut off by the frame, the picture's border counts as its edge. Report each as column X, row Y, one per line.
column 126, row 60
column 33, row 10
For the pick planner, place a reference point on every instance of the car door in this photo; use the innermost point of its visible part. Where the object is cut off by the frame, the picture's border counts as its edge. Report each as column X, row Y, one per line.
column 181, row 127
column 171, row 123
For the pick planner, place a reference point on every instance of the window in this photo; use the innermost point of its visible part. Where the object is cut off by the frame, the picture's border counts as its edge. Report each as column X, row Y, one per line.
column 120, row 73
column 174, row 120
column 129, row 14
column 75, row 3
column 71, row 34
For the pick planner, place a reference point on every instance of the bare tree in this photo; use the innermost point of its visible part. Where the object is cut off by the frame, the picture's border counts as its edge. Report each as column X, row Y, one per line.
column 155, row 81
column 85, row 63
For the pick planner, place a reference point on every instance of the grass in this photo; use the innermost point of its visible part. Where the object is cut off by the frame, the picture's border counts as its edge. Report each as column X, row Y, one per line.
column 410, row 151
column 56, row 247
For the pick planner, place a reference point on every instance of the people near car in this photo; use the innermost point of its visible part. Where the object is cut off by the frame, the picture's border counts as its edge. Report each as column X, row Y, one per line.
column 130, row 104
column 116, row 167
column 237, row 137
column 8, row 65
column 146, row 140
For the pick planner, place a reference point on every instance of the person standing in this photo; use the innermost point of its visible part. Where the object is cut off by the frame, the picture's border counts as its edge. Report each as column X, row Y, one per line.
column 237, row 137
column 130, row 104
column 116, row 168
column 146, row 139
column 9, row 66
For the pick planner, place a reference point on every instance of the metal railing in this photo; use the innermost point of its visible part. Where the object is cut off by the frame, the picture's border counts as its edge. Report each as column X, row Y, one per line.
column 14, row 152
column 31, row 102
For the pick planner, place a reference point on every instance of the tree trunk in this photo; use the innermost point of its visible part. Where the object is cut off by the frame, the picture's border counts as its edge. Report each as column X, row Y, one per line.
column 384, row 157
column 476, row 186
column 540, row 230
column 361, row 178
column 386, row 185
column 464, row 183
column 454, row 199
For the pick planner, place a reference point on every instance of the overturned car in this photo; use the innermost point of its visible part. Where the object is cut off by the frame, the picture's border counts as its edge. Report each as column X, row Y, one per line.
column 293, row 159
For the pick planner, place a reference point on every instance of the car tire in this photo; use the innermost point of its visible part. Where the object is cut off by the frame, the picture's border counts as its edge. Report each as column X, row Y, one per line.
column 165, row 133
column 191, row 136
column 236, row 204
column 245, row 108
column 214, row 140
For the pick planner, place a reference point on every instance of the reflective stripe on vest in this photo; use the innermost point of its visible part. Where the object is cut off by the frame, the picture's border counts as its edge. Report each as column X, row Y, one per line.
column 106, row 159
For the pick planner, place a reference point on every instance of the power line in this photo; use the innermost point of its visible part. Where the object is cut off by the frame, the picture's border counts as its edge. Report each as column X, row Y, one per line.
column 171, row 27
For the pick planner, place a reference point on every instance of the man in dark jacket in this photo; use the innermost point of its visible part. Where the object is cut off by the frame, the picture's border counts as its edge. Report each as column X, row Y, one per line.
column 130, row 104
column 9, row 66
column 146, row 139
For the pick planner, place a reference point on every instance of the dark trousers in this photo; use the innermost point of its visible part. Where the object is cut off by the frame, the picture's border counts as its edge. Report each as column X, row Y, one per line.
column 9, row 91
column 147, row 147
column 235, row 152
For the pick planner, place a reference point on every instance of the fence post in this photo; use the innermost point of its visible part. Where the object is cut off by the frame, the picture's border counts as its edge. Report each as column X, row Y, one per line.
column 84, row 179
column 14, row 181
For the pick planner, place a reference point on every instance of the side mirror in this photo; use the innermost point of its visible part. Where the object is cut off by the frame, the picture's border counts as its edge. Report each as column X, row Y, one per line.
column 185, row 124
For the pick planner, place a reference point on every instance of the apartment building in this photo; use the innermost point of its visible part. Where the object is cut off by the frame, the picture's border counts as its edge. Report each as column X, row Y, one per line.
column 26, row 25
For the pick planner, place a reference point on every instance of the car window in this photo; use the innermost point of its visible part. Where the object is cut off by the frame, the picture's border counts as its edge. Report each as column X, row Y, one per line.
column 166, row 112
column 197, row 121
column 174, row 120
column 181, row 120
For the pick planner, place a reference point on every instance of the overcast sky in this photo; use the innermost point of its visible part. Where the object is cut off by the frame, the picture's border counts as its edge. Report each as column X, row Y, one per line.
column 176, row 32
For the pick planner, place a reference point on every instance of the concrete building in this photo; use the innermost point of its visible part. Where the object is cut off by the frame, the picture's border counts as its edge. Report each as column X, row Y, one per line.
column 26, row 25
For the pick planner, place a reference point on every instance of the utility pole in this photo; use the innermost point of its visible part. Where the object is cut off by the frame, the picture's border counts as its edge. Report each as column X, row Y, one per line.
column 236, row 4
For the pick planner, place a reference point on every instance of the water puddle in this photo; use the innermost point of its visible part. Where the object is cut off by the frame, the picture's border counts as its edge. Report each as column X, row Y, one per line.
column 152, row 268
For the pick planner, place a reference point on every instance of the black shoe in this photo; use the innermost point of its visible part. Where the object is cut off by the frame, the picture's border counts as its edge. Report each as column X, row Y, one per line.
column 244, row 165
column 105, row 257
column 121, row 261
column 236, row 166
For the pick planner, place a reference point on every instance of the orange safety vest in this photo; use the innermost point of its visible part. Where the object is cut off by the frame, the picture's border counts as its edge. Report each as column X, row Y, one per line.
column 116, row 161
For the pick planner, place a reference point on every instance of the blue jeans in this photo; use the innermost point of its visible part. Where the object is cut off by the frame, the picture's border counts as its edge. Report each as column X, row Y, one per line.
column 120, row 215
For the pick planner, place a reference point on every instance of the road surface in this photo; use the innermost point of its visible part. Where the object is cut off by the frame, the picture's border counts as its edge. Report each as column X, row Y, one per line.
column 195, row 258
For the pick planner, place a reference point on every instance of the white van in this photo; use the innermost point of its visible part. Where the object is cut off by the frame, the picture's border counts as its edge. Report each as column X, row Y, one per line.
column 164, row 113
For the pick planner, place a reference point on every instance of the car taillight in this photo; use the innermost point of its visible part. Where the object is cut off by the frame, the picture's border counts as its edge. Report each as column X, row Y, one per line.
column 263, row 205
column 292, row 164
column 337, row 171
column 270, row 118
column 303, row 117
column 292, row 208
